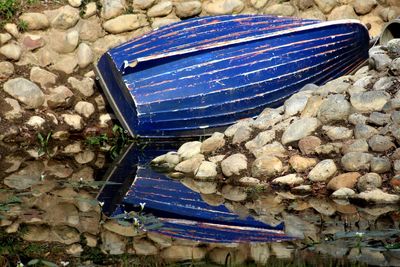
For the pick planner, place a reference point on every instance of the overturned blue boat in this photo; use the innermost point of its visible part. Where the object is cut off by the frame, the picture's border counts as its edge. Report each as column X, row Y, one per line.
column 200, row 75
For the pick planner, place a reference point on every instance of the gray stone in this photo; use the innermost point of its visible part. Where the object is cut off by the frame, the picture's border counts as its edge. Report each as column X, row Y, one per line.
column 213, row 143
column 393, row 46
column 284, row 9
column 59, row 96
column 268, row 118
column 64, row 42
column 234, row 164
column 231, row 130
column 65, row 18
column 234, row 193
column 36, row 122
column 379, row 143
column 161, row 9
column 299, row 129
column 190, row 165
column 337, row 86
column 362, row 131
column 189, row 149
column 322, row 171
column 369, row 181
column 356, row 161
column 363, row 7
column 337, row 133
column 11, row 51
column 43, row 77
column 357, row 118
column 112, row 8
column 384, row 83
column 290, row 179
column 66, row 63
column 84, row 86
column 35, row 21
column 85, row 55
column 73, row 120
column 379, row 59
column 26, row 177
column 15, row 112
column 342, row 12
column 260, row 140
column 369, row 101
column 326, row 6
column 357, row 145
column 242, row 134
column 206, row 170
column 189, row 8
column 25, row 91
column 379, row 118
column 378, row 196
column 380, row 165
column 274, row 149
column 295, row 104
column 84, row 108
column 266, row 166
column 223, row 7
column 334, row 108
column 395, row 66
column 258, row 3
column 395, row 117
column 125, row 23
column 343, row 193
column 6, row 70
column 90, row 10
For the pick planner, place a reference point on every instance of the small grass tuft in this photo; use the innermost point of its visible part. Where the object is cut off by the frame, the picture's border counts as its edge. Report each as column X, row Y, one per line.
column 22, row 25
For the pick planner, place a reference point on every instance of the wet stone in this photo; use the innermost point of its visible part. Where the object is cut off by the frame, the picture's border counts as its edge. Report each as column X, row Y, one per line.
column 234, row 193
column 378, row 196
column 26, row 177
column 206, row 170
column 189, row 166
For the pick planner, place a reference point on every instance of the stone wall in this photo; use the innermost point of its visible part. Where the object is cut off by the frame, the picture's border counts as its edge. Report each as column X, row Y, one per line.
column 52, row 60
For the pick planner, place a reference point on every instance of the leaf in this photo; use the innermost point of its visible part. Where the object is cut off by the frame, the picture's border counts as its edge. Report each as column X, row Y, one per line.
column 49, row 263
column 33, row 262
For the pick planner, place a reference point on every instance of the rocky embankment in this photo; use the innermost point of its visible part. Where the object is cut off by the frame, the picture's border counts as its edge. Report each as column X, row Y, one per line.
column 46, row 56
column 339, row 140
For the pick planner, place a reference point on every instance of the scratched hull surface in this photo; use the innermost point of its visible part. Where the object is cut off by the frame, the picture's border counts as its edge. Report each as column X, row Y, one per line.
column 181, row 212
column 202, row 74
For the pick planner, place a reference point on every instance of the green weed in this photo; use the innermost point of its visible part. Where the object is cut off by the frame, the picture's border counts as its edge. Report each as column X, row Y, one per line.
column 43, row 141
column 39, row 262
column 8, row 9
column 22, row 25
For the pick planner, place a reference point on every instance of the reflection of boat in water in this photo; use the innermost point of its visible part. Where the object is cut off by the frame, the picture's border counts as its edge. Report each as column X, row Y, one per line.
column 201, row 74
column 181, row 211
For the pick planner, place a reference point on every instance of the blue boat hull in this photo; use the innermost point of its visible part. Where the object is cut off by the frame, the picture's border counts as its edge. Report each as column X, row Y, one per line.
column 179, row 211
column 200, row 75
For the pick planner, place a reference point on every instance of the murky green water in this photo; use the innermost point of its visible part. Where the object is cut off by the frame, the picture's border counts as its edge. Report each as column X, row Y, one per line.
column 49, row 214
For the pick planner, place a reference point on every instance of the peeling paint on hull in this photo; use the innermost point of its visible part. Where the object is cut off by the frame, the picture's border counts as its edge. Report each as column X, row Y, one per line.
column 199, row 75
